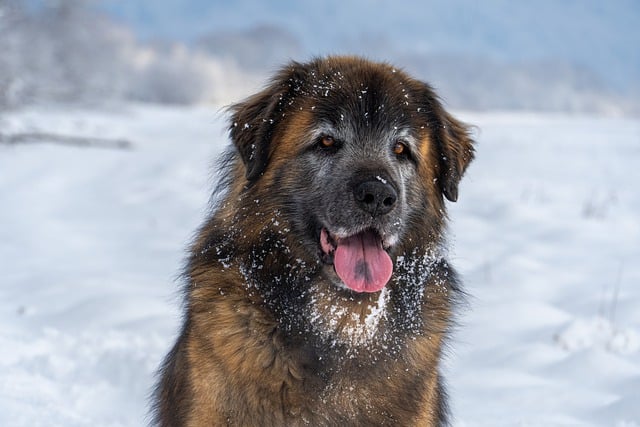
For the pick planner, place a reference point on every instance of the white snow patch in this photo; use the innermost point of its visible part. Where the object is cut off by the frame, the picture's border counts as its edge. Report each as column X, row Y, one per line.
column 330, row 321
column 598, row 332
column 381, row 179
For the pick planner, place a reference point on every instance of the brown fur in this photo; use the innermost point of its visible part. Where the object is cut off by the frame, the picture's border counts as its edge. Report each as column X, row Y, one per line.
column 267, row 339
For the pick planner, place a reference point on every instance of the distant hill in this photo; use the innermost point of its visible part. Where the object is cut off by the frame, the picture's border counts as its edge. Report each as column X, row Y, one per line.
column 573, row 55
column 601, row 36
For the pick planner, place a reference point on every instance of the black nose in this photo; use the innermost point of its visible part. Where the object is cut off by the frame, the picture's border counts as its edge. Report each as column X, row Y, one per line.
column 375, row 196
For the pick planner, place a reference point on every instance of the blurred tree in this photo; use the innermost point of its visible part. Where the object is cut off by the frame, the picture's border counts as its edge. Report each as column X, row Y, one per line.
column 11, row 84
column 65, row 51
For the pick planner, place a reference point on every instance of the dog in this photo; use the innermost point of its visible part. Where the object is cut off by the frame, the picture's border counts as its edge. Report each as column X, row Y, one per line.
column 317, row 292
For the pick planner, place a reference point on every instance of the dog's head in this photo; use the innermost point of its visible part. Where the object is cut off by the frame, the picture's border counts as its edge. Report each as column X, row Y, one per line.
column 359, row 156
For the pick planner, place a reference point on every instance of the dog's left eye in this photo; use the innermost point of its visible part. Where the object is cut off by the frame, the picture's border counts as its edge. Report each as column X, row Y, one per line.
column 400, row 149
column 328, row 144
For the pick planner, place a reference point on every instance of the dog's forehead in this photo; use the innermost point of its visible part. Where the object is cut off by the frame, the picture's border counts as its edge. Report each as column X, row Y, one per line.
column 361, row 98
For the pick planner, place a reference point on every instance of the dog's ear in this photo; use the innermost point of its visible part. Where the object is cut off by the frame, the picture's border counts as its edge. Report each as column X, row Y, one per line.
column 453, row 141
column 254, row 120
column 457, row 151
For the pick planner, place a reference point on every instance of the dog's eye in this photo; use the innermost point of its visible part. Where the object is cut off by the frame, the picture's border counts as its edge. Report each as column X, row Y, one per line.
column 328, row 142
column 400, row 149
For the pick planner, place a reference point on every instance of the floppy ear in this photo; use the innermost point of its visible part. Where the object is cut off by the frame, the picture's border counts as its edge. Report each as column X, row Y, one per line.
column 454, row 144
column 457, row 151
column 254, row 120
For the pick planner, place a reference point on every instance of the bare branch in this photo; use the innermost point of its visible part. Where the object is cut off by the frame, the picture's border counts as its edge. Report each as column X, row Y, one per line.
column 70, row 140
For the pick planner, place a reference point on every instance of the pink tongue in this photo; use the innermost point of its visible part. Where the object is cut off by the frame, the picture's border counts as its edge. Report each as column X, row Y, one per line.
column 362, row 263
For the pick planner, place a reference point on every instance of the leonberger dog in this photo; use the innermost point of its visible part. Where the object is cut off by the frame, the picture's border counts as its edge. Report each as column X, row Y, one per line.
column 317, row 292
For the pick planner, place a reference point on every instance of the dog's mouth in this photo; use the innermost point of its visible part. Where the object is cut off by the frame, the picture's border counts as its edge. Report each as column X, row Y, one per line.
column 360, row 260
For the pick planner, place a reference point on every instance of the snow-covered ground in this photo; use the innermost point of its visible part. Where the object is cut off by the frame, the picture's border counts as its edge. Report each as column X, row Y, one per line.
column 546, row 234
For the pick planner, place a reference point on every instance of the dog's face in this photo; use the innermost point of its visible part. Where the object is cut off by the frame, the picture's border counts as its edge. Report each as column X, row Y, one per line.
column 360, row 156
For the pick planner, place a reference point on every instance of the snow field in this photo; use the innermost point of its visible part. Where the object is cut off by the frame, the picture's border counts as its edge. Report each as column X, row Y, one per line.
column 546, row 234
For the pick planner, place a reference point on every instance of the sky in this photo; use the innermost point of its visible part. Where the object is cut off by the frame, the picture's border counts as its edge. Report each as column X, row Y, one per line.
column 600, row 36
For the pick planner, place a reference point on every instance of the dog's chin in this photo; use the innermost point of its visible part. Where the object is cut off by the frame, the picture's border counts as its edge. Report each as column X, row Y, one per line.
column 356, row 260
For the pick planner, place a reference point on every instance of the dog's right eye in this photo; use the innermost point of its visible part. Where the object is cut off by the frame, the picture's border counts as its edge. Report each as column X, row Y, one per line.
column 328, row 143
